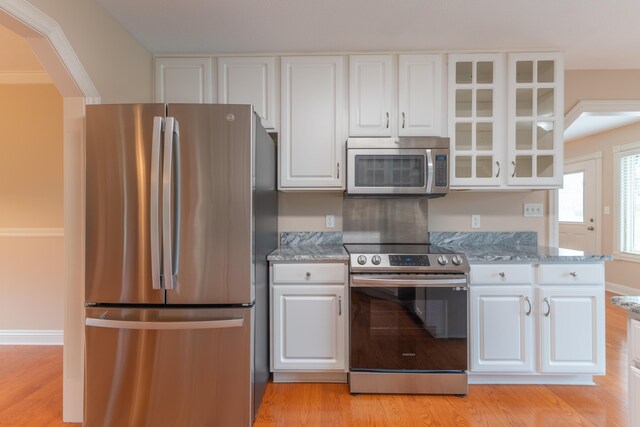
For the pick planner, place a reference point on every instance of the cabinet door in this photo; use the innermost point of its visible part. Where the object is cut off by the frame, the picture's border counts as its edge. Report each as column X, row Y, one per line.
column 309, row 327
column 183, row 80
column 571, row 329
column 312, row 134
column 476, row 120
column 501, row 329
column 420, row 95
column 371, row 81
column 634, row 397
column 250, row 81
column 535, row 119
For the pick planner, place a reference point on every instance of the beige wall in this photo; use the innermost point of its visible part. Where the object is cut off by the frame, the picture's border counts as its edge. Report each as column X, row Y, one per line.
column 31, row 170
column 600, row 85
column 624, row 273
column 119, row 66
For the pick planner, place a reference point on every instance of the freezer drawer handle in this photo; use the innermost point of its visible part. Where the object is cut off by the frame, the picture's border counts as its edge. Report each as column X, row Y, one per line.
column 193, row 324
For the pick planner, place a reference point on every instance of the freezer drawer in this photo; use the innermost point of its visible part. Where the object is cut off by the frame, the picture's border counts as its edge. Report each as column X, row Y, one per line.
column 168, row 367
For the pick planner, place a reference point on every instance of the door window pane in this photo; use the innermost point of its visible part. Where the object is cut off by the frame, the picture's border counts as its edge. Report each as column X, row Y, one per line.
column 463, row 167
column 523, row 135
column 571, row 198
column 545, row 71
column 524, row 102
column 485, row 72
column 545, row 102
column 484, row 167
column 544, row 131
column 463, row 72
column 484, row 136
column 629, row 169
column 524, row 72
column 484, row 103
column 463, row 136
column 463, row 103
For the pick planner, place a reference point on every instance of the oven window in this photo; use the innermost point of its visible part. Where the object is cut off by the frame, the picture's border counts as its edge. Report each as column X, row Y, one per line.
column 374, row 170
column 418, row 329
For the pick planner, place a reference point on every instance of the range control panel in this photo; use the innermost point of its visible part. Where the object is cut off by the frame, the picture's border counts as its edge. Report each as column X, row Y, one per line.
column 444, row 263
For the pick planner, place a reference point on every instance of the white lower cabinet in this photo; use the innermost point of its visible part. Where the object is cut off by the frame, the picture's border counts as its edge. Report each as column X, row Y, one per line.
column 634, row 396
column 502, row 328
column 543, row 332
column 309, row 322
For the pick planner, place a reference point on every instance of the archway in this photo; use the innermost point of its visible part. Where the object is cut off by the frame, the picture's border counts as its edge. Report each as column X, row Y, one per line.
column 70, row 78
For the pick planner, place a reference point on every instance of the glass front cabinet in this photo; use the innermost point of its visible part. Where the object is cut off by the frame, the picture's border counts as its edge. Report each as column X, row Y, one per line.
column 506, row 120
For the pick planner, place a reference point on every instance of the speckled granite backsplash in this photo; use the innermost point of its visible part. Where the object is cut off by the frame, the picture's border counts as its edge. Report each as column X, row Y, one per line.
column 321, row 238
column 484, row 238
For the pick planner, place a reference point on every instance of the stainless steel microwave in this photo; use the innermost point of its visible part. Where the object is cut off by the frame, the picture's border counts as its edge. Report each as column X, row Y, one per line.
column 398, row 166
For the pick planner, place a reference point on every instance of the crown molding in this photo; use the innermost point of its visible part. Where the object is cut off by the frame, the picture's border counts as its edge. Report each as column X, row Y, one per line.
column 613, row 107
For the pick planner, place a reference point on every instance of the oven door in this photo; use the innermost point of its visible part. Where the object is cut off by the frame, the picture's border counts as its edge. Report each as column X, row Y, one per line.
column 409, row 322
column 389, row 171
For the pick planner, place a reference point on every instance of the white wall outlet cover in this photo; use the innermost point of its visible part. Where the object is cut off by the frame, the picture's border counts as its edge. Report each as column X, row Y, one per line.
column 607, row 210
column 330, row 221
column 475, row 221
column 533, row 209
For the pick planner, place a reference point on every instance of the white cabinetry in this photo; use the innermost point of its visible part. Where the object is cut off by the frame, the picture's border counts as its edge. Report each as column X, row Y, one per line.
column 535, row 119
column 309, row 312
column 502, row 327
column 183, row 80
column 312, row 133
column 506, row 120
column 544, row 327
column 392, row 100
column 250, row 80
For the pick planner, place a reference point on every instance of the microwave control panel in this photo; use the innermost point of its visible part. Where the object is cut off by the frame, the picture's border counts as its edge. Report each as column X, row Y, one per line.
column 441, row 172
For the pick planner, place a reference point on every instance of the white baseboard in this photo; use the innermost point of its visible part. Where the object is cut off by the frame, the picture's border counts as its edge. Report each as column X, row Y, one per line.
column 531, row 379
column 621, row 289
column 30, row 337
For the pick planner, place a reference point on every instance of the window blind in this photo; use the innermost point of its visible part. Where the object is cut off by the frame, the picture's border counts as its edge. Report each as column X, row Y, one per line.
column 630, row 203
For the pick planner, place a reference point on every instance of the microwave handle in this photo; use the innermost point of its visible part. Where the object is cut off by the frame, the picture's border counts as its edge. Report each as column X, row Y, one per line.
column 430, row 171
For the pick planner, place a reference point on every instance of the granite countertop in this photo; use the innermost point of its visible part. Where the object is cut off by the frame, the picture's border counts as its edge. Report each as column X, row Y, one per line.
column 631, row 304
column 479, row 247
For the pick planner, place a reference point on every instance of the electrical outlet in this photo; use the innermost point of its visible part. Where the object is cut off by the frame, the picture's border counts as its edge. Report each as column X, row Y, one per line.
column 533, row 209
column 607, row 210
column 475, row 221
column 330, row 221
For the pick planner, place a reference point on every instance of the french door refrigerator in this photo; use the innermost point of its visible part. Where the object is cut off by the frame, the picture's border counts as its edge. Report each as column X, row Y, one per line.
column 181, row 212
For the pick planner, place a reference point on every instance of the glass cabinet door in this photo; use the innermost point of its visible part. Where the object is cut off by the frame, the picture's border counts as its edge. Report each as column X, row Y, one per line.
column 535, row 119
column 475, row 116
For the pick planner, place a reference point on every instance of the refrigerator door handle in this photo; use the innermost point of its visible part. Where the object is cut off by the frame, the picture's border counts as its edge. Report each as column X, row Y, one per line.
column 154, row 199
column 191, row 324
column 169, row 237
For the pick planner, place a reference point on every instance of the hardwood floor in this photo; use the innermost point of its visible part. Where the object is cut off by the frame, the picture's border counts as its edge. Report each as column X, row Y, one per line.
column 31, row 395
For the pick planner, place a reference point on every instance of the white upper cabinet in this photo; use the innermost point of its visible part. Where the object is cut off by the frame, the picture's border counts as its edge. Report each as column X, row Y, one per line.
column 312, row 132
column 372, row 110
column 250, row 80
column 395, row 95
column 535, row 119
column 476, row 120
column 183, row 80
column 420, row 95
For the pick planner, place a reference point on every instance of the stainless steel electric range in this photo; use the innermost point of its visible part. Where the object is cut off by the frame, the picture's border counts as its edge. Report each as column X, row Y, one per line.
column 409, row 323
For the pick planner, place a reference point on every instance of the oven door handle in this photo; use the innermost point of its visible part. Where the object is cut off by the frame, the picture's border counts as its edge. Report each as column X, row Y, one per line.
column 367, row 282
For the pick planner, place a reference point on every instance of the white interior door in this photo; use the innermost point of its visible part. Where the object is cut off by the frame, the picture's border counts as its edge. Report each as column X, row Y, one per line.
column 577, row 207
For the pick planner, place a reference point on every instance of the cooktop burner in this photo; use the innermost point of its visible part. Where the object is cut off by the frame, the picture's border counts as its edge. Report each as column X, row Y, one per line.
column 405, row 258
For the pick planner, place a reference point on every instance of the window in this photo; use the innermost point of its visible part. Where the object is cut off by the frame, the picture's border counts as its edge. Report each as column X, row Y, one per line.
column 571, row 198
column 627, row 163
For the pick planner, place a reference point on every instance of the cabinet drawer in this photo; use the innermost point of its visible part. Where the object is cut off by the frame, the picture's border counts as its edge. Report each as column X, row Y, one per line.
column 500, row 273
column 309, row 273
column 634, row 338
column 571, row 273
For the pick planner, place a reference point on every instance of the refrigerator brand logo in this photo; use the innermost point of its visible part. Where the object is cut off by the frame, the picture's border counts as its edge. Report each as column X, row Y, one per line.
column 408, row 354
column 230, row 117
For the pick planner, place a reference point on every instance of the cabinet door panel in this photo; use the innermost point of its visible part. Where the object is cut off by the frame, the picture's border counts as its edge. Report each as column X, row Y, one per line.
column 634, row 397
column 571, row 329
column 183, row 80
column 502, row 329
column 370, row 95
column 312, row 141
column 420, row 95
column 309, row 327
column 250, row 81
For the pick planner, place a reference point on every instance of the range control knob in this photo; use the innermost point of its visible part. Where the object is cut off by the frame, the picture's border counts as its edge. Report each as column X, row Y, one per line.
column 376, row 259
column 456, row 259
column 362, row 260
column 443, row 260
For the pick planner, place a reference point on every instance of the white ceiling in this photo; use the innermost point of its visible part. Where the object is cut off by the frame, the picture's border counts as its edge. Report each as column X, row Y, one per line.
column 594, row 34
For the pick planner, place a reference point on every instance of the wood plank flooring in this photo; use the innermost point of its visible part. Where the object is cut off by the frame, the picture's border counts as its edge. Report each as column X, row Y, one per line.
column 31, row 395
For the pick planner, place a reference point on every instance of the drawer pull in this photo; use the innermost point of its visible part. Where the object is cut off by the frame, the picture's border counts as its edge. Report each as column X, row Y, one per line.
column 308, row 274
column 573, row 274
column 528, row 302
column 339, row 306
column 548, row 312
column 501, row 274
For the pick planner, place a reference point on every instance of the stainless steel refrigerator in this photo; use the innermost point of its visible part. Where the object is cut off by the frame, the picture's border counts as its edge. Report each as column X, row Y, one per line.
column 181, row 212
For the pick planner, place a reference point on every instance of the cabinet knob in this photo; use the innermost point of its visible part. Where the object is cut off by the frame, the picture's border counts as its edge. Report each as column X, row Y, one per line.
column 573, row 274
column 308, row 274
column 501, row 274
